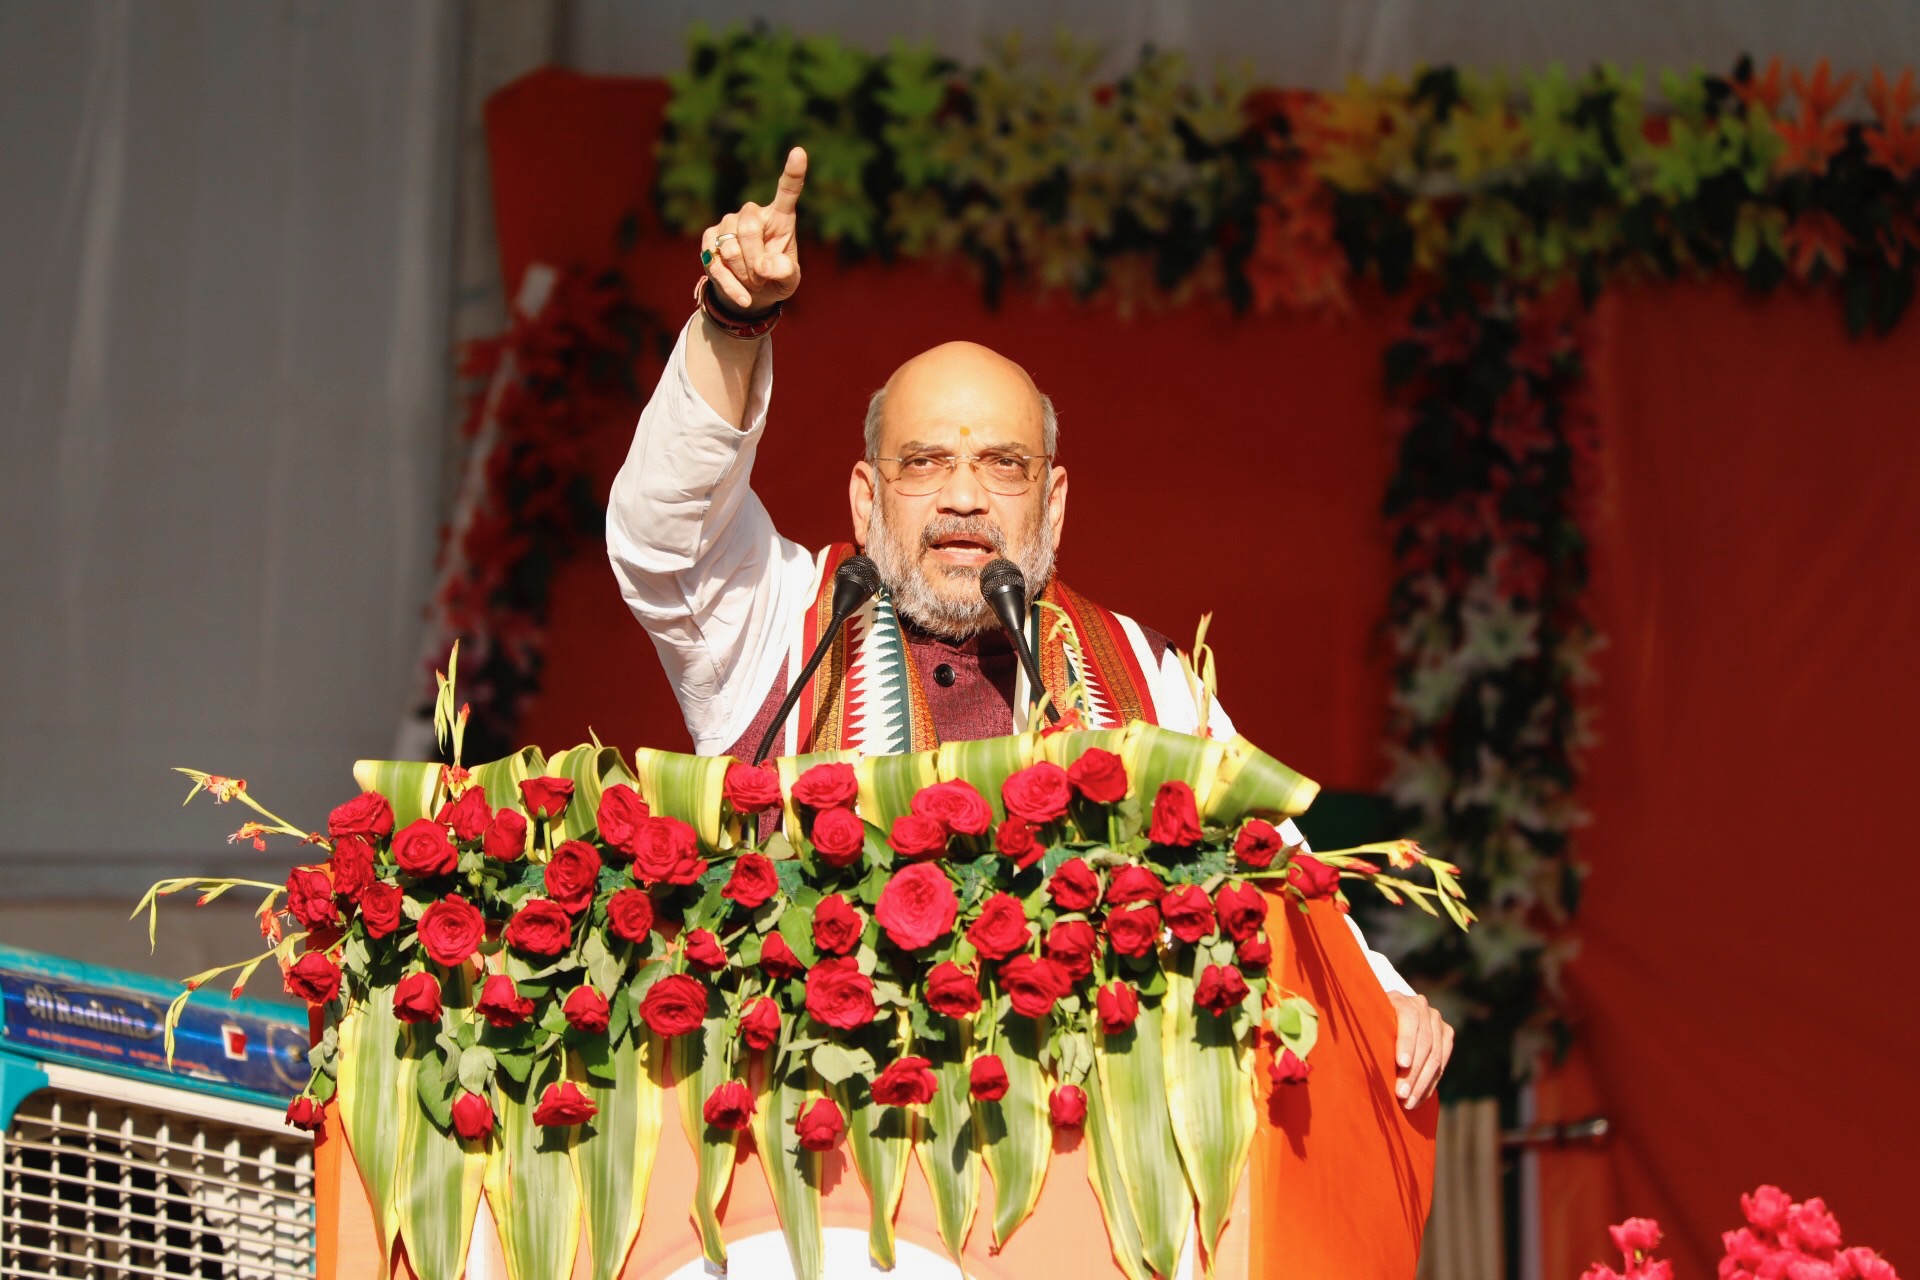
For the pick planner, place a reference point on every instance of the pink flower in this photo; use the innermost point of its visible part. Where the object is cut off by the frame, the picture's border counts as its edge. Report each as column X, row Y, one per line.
column 1766, row 1208
column 1635, row 1235
column 1811, row 1227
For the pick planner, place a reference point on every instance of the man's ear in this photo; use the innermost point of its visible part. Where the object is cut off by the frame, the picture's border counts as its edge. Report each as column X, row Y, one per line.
column 1057, row 503
column 860, row 497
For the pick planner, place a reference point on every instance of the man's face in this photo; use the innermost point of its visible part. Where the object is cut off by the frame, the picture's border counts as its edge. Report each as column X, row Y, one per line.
column 931, row 548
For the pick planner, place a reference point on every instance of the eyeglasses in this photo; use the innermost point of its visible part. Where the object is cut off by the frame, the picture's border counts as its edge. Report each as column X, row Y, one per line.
column 1007, row 474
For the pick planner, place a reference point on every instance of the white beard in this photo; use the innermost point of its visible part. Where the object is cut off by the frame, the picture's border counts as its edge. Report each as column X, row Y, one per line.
column 915, row 597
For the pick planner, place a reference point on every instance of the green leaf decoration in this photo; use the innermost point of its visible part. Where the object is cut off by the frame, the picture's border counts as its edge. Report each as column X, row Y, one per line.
column 793, row 1172
column 987, row 763
column 1064, row 748
column 1104, row 1158
column 408, row 785
column 879, row 1139
column 1131, row 1074
column 530, row 1181
column 373, row 1072
column 1210, row 1099
column 687, row 787
column 1155, row 756
column 501, row 778
column 1016, row 1133
column 437, row 1178
column 584, row 765
column 614, row 1159
column 945, row 1141
column 699, row 1066
column 1250, row 783
column 887, row 784
column 790, row 768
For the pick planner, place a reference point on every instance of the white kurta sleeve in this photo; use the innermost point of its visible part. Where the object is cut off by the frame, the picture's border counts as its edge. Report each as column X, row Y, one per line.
column 697, row 556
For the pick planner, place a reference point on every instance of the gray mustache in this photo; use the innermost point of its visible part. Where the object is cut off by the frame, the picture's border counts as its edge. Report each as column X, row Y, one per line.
column 959, row 527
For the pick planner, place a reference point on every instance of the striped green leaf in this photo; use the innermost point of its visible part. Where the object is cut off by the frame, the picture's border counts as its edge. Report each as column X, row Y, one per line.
column 530, row 1180
column 945, row 1141
column 887, row 784
column 584, row 765
column 1104, row 1158
column 1015, row 1134
column 1130, row 1068
column 699, row 1066
column 437, row 1178
column 1252, row 783
column 1155, row 756
column 689, row 788
column 614, row 1159
column 1064, row 748
column 501, row 778
column 793, row 1172
column 1209, row 1100
column 374, row 1071
column 790, row 768
column 880, row 1139
column 989, row 762
column 408, row 786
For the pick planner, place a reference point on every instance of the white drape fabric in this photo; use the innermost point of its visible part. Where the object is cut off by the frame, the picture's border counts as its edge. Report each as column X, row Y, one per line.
column 224, row 236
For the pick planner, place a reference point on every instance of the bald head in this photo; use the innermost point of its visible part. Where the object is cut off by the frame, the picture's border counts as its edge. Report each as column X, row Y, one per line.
column 960, row 385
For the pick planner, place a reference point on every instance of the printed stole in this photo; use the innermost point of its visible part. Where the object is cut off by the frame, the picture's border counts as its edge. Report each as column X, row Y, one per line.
column 867, row 696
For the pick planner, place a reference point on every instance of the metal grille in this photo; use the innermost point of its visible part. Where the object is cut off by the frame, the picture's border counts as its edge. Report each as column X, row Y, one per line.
column 102, row 1187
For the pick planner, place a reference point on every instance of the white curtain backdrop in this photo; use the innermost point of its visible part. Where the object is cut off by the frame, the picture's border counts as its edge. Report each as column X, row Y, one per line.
column 224, row 298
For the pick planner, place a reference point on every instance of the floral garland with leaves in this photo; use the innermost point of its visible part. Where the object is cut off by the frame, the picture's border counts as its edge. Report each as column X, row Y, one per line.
column 799, row 950
column 1495, row 201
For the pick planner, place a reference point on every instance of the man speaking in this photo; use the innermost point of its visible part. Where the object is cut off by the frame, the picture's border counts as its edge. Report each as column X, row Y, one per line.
column 958, row 471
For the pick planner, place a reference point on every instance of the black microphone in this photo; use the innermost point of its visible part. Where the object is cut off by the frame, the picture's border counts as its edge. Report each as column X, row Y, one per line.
column 854, row 583
column 1004, row 588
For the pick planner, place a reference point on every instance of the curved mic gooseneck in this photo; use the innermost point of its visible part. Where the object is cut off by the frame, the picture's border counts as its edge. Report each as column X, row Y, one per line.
column 854, row 583
column 1004, row 588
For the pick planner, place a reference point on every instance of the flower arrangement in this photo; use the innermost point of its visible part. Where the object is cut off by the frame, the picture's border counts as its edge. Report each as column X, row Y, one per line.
column 1029, row 933
column 1793, row 1241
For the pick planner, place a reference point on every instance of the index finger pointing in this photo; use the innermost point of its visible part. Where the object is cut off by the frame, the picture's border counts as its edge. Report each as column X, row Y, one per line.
column 792, row 179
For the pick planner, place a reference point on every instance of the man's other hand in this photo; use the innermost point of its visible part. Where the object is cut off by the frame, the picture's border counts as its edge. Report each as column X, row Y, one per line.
column 1421, row 1048
column 756, row 256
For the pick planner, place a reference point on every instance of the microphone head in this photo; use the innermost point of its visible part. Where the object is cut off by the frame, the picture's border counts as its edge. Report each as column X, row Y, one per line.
column 1001, row 576
column 854, row 583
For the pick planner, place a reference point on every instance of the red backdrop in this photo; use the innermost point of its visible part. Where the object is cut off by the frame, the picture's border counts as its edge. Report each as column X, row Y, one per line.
column 1744, row 1017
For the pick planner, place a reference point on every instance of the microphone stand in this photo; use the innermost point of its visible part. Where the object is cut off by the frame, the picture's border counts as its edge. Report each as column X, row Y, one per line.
column 854, row 583
column 1004, row 588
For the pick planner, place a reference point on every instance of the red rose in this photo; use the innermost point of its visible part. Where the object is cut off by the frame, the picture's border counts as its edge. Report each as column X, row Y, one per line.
column 1099, row 776
column 1073, row 945
column 1188, row 912
column 630, row 915
column 838, row 836
column 1032, row 985
column 310, row 897
column 1312, row 878
column 667, row 851
column 952, row 990
column 760, row 1025
column 916, row 837
column 956, row 806
column 1067, row 1106
column 777, row 958
column 417, row 998
column 352, row 865
column 586, row 1010
column 563, row 1104
column 839, row 995
column 1176, row 819
column 1074, row 887
column 750, row 789
column 313, row 978
column 367, row 815
column 827, row 786
column 1134, row 931
column 1038, row 793
column 703, row 950
column 546, row 797
column 753, row 881
column 1015, row 839
column 621, row 811
column 821, row 1126
column 1118, row 1006
column 1220, row 990
column 1242, row 910
column 1258, row 843
column 422, row 849
column 1256, row 952
column 506, row 837
column 572, row 874
column 987, row 1078
column 917, row 906
column 729, row 1106
column 1134, row 884
column 836, row 926
column 304, row 1113
column 501, row 1003
column 450, row 930
column 472, row 1116
column 1290, row 1068
column 380, row 908
column 539, row 928
column 905, row 1081
column 468, row 816
column 674, row 1005
column 1001, row 929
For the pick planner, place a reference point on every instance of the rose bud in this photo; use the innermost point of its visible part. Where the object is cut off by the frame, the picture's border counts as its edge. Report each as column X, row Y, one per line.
column 506, row 836
column 839, row 837
column 1074, row 886
column 1290, row 1068
column 1015, row 839
column 1242, row 910
column 917, row 838
column 310, row 898
column 987, row 1078
column 1176, row 819
column 1258, row 843
column 1067, row 1106
column 572, row 875
column 380, row 908
column 1220, row 990
column 563, row 1104
column 952, row 990
column 753, row 881
column 422, row 849
column 304, row 1113
column 729, row 1106
column 760, row 1025
column 546, row 797
column 1118, row 1006
column 1311, row 878
column 1256, row 952
column 827, row 786
column 1073, row 945
column 416, row 998
column 1038, row 793
column 539, row 928
column 472, row 1116
column 839, row 995
column 836, row 926
column 1188, row 912
column 956, row 806
column 586, row 1010
column 501, row 1003
column 749, row 789
column 313, row 978
column 703, row 950
column 367, row 815
column 1032, row 986
column 905, row 1082
column 451, row 931
column 674, row 1006
column 917, row 906
column 468, row 816
column 1099, row 776
column 1134, row 884
column 777, row 958
column 630, row 915
column 1001, row 929
column 619, row 816
column 821, row 1126
column 667, row 851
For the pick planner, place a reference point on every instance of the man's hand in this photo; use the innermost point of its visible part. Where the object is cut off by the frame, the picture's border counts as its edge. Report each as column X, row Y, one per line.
column 756, row 257
column 1421, row 1049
